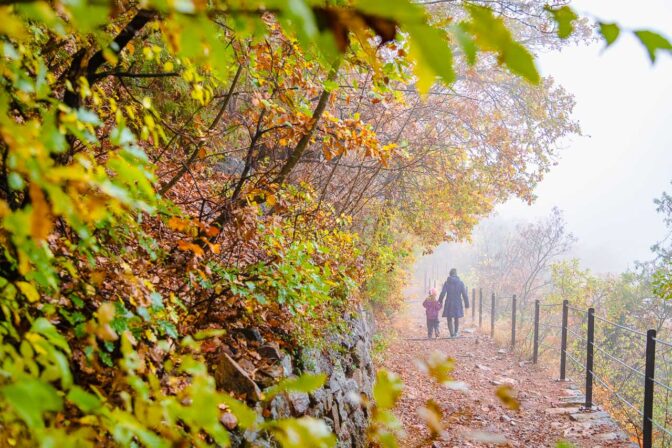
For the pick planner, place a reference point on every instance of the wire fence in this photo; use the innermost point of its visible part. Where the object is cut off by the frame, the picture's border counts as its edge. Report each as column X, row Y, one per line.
column 631, row 369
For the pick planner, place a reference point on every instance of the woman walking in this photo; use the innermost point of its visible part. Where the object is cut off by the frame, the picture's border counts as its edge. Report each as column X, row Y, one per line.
column 454, row 291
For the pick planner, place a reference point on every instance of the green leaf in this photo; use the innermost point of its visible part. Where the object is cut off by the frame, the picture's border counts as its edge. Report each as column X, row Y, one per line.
column 247, row 418
column 330, row 85
column 15, row 181
column 563, row 444
column 305, row 383
column 521, row 62
column 403, row 12
column 169, row 329
column 466, row 42
column 30, row 399
column 429, row 45
column 302, row 432
column 433, row 56
column 89, row 117
column 157, row 301
column 492, row 34
column 299, row 13
column 209, row 333
column 610, row 32
column 564, row 17
column 387, row 389
column 653, row 42
column 48, row 330
column 83, row 400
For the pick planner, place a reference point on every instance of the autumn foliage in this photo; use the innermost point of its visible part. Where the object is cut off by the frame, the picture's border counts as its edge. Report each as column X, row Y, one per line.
column 173, row 172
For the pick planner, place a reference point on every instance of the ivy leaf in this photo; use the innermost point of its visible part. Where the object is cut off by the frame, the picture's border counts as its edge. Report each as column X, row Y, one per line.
column 564, row 17
column 653, row 42
column 30, row 399
column 610, row 32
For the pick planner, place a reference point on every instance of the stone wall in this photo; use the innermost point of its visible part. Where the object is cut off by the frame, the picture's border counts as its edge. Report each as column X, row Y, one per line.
column 346, row 362
column 350, row 373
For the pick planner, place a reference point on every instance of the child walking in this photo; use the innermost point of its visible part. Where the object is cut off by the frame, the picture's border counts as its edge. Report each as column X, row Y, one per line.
column 432, row 307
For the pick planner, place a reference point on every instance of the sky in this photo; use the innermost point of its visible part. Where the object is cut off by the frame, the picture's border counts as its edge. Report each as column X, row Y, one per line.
column 606, row 180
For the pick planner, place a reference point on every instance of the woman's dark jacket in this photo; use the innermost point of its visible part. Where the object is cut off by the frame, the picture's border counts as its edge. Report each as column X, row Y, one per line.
column 454, row 290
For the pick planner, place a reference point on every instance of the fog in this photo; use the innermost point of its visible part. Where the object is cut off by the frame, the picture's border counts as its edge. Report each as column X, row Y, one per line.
column 606, row 181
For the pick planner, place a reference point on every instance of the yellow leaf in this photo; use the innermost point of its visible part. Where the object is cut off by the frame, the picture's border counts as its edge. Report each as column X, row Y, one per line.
column 41, row 224
column 89, row 420
column 505, row 394
column 97, row 277
column 29, row 291
column 106, row 313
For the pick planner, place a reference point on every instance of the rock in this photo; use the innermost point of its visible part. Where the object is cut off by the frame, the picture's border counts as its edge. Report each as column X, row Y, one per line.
column 286, row 363
column 252, row 333
column 229, row 421
column 280, row 408
column 336, row 419
column 502, row 351
column 231, row 166
column 229, row 375
column 247, row 365
column 299, row 401
column 598, row 417
column 561, row 411
column 612, row 437
column 482, row 367
column 508, row 381
column 270, row 351
column 269, row 375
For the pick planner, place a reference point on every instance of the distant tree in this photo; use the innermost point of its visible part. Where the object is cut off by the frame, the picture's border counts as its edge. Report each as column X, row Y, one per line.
column 518, row 263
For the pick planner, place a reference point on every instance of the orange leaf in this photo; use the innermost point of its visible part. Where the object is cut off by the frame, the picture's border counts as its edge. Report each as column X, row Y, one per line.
column 178, row 224
column 187, row 246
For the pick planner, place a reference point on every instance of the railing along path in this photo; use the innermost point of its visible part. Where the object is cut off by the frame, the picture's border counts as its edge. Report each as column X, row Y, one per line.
column 587, row 366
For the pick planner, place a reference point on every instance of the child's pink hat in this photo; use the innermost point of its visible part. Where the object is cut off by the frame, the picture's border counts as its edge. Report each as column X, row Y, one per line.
column 432, row 291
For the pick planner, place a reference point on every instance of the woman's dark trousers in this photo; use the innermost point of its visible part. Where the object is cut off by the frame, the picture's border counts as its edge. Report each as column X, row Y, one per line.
column 453, row 325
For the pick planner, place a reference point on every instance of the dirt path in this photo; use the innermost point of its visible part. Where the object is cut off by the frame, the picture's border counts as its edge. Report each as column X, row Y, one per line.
column 549, row 411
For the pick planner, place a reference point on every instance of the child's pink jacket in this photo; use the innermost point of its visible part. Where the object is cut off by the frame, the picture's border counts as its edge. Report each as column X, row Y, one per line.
column 432, row 308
